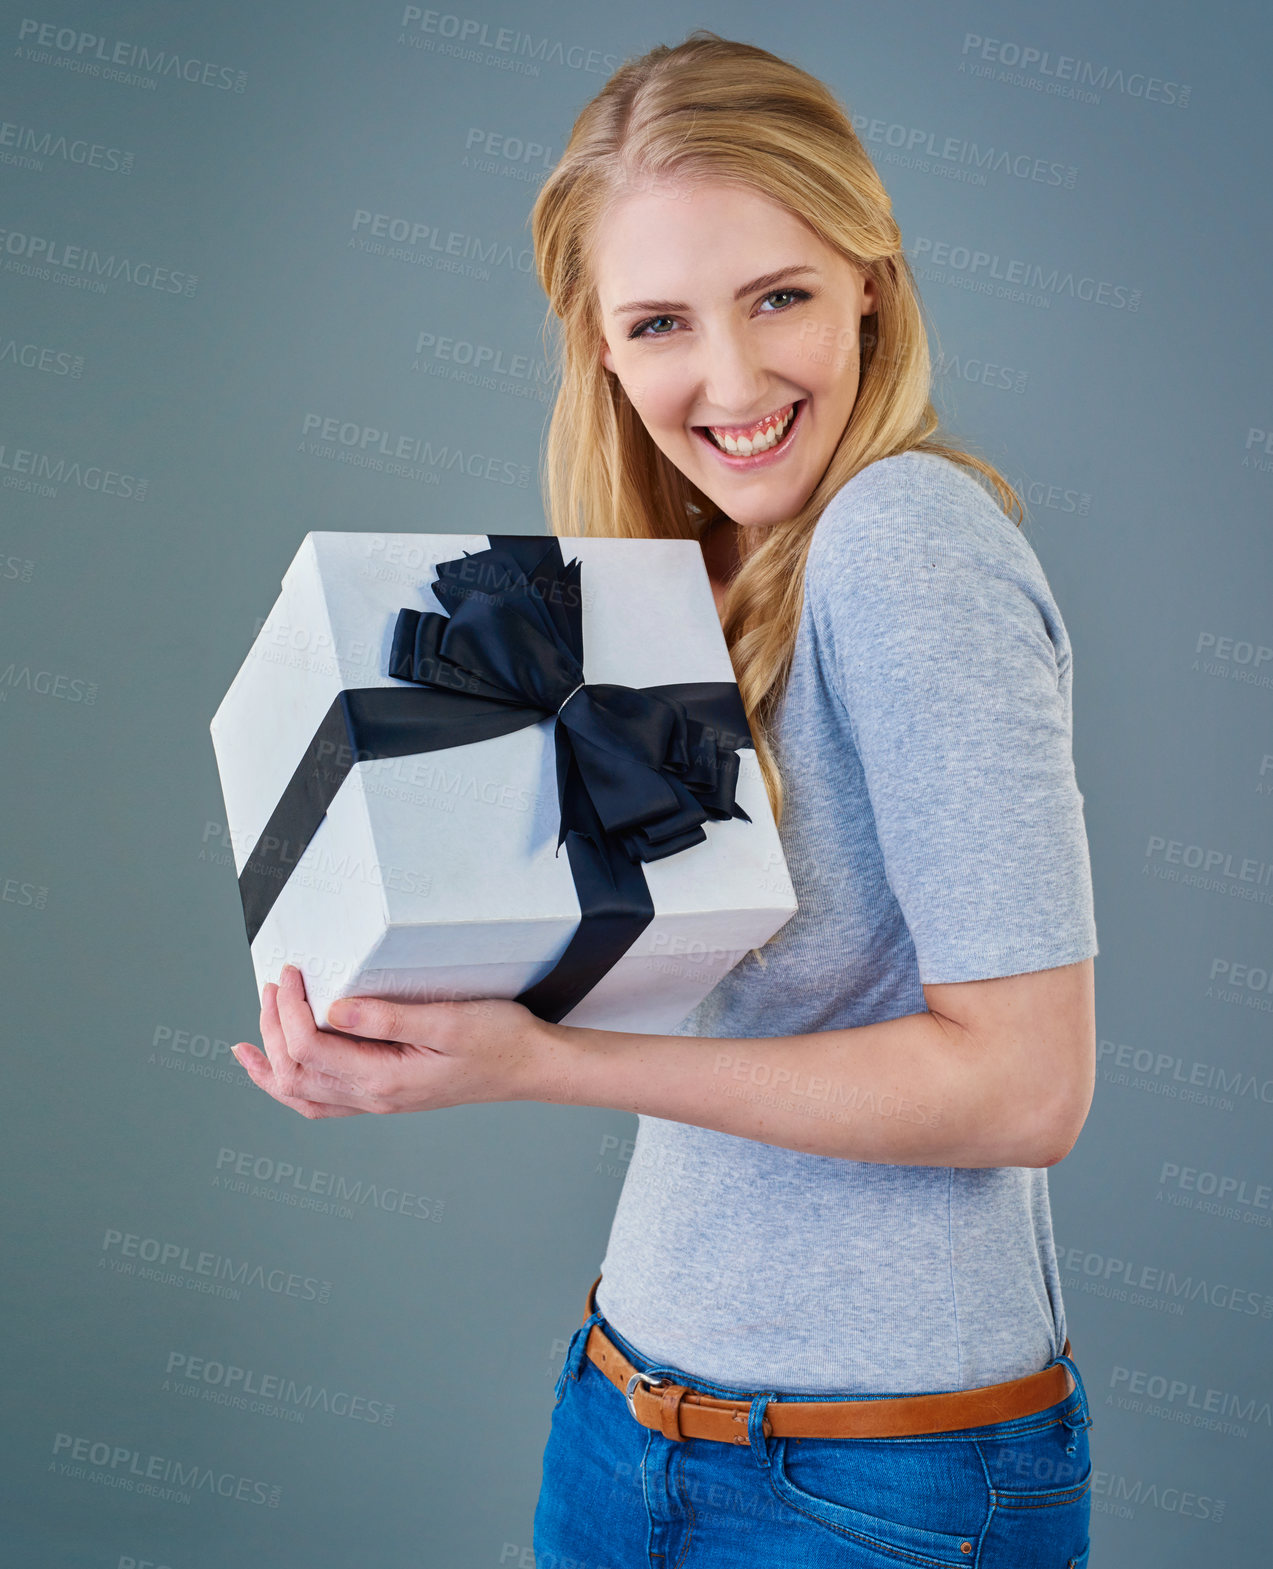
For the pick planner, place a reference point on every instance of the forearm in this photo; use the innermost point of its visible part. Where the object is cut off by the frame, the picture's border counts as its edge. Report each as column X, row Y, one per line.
column 915, row 1091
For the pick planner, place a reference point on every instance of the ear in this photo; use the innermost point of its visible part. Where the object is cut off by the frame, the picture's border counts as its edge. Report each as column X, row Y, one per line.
column 870, row 295
column 607, row 359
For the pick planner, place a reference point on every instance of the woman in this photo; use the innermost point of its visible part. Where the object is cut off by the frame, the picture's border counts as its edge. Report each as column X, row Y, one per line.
column 828, row 1327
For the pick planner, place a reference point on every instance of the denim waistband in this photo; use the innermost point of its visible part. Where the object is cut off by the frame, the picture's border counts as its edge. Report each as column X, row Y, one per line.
column 1073, row 1410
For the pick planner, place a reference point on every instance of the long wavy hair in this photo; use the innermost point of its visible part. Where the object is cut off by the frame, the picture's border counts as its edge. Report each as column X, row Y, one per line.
column 714, row 108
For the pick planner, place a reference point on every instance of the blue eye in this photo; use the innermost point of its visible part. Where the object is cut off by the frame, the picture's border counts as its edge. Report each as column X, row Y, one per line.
column 665, row 326
column 639, row 331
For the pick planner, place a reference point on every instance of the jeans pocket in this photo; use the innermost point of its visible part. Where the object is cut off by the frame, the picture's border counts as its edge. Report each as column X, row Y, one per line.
column 1041, row 1491
column 559, row 1388
column 1047, row 1467
column 1045, row 1498
column 908, row 1503
column 568, row 1375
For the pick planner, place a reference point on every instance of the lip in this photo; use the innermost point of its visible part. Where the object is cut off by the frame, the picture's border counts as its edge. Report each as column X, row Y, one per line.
column 757, row 460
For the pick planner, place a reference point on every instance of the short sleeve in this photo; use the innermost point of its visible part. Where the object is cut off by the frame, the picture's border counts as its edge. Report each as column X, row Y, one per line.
column 949, row 655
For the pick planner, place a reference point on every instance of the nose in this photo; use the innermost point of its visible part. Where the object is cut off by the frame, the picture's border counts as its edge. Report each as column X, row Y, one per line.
column 733, row 379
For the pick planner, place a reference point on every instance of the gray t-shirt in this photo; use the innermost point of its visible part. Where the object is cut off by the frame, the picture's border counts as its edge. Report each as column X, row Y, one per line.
column 934, row 831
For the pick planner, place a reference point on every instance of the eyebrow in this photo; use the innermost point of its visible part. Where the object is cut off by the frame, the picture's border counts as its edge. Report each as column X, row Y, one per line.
column 765, row 281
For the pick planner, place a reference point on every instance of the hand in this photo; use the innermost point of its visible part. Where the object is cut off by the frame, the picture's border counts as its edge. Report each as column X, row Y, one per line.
column 406, row 1056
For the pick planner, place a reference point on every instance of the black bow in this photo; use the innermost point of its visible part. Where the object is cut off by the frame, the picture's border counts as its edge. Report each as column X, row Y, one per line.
column 639, row 769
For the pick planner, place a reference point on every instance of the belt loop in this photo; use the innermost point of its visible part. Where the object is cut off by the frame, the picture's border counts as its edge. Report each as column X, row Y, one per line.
column 578, row 1346
column 575, row 1353
column 757, row 1429
column 579, row 1343
column 1085, row 1415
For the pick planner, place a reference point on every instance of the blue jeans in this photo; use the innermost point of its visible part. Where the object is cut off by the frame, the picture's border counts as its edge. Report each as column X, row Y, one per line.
column 616, row 1495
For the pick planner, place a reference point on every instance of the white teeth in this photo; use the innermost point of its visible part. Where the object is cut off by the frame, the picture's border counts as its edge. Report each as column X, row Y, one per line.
column 746, row 446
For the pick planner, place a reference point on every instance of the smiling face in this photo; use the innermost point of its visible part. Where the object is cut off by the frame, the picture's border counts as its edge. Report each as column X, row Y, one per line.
column 734, row 330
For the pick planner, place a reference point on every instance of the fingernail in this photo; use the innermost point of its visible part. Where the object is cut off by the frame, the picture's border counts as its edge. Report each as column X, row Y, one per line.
column 288, row 974
column 344, row 1012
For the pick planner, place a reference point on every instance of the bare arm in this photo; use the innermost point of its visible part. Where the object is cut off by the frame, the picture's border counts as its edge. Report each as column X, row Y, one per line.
column 996, row 1073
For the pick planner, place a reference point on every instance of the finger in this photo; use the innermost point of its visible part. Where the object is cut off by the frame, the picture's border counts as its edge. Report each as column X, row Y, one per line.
column 254, row 1063
column 423, row 1024
column 356, row 1062
column 317, row 1064
column 291, row 1080
column 257, row 1066
column 295, row 1014
column 272, row 1037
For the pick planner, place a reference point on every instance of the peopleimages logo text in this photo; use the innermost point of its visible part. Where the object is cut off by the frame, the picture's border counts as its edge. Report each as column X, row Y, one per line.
column 268, row 1394
column 1016, row 271
column 373, row 444
column 32, row 147
column 90, row 52
column 471, row 33
column 188, row 1266
column 130, row 1466
column 1081, row 74
column 42, row 256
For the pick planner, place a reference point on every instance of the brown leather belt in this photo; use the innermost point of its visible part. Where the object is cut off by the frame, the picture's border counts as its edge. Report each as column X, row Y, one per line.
column 679, row 1411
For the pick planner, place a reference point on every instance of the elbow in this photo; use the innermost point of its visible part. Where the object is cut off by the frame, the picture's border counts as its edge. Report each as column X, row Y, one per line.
column 1059, row 1130
column 1055, row 1153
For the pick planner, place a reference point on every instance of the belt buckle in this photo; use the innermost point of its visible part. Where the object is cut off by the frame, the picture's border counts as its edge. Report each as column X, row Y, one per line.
column 650, row 1383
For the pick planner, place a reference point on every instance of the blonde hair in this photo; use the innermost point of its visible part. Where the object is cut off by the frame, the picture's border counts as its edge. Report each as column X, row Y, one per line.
column 711, row 107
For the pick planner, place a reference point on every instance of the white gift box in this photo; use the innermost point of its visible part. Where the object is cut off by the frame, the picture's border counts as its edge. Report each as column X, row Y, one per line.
column 437, row 874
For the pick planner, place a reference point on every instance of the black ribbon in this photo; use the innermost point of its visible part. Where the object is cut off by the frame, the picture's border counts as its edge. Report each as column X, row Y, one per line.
column 639, row 769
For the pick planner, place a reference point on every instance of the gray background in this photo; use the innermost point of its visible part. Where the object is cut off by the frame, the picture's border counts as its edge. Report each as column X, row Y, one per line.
column 1136, row 425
